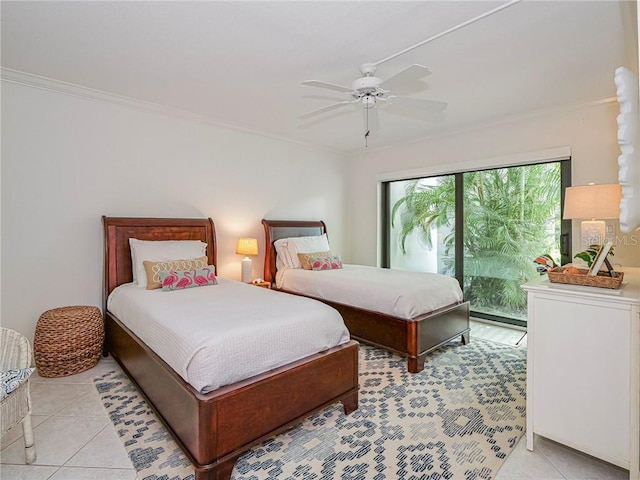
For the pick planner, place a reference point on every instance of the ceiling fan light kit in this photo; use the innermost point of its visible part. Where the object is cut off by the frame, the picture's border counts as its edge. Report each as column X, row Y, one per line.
column 368, row 101
column 365, row 85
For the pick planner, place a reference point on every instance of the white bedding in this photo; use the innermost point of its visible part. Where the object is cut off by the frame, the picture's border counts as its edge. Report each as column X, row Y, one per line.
column 393, row 292
column 220, row 334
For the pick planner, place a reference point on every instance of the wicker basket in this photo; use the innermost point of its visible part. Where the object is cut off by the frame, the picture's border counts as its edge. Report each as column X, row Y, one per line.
column 602, row 280
column 68, row 340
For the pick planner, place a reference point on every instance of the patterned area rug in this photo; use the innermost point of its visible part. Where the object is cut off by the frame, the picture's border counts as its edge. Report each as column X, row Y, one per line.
column 458, row 419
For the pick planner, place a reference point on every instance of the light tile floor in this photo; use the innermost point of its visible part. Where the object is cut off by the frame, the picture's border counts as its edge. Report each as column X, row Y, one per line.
column 75, row 439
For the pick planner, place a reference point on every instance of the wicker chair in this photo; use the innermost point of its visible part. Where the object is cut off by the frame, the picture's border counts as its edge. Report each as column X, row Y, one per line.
column 15, row 407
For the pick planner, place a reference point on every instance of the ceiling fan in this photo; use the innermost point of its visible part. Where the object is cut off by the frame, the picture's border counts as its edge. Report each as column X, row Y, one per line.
column 371, row 91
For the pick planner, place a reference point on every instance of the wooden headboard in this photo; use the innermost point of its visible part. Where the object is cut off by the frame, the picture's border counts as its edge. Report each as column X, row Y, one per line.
column 118, row 231
column 277, row 229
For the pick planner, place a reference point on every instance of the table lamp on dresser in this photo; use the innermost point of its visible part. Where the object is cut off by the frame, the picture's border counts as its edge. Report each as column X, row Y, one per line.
column 592, row 203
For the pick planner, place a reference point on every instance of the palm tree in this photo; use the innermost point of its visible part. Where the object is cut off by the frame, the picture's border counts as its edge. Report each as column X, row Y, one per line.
column 511, row 215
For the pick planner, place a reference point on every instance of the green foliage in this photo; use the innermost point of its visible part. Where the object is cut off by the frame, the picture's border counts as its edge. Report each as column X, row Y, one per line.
column 589, row 255
column 511, row 216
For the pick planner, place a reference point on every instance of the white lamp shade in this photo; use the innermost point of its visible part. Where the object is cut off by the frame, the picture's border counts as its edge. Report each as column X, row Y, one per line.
column 592, row 201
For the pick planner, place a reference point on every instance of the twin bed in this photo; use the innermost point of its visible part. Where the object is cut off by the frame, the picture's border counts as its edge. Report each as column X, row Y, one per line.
column 410, row 313
column 279, row 358
column 227, row 365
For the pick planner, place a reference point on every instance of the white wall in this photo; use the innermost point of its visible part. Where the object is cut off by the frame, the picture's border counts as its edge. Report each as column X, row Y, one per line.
column 589, row 131
column 66, row 161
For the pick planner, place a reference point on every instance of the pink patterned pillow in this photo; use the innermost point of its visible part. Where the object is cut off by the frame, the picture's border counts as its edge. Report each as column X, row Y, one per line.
column 305, row 258
column 325, row 262
column 181, row 279
column 153, row 269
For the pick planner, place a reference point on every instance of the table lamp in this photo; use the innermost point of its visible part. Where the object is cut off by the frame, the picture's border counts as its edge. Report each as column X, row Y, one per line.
column 246, row 247
column 592, row 202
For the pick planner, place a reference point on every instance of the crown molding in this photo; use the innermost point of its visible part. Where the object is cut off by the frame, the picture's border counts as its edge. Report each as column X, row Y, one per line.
column 568, row 107
column 78, row 91
column 71, row 89
column 607, row 101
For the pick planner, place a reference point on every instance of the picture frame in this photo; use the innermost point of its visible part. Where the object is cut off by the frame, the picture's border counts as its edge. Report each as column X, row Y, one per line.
column 600, row 258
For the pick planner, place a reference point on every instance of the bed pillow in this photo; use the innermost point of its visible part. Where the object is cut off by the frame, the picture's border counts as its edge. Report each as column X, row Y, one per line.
column 181, row 279
column 153, row 269
column 325, row 262
column 295, row 245
column 282, row 254
column 161, row 251
column 305, row 261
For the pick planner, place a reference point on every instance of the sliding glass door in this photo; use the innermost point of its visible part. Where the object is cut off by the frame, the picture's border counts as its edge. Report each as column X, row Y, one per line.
column 483, row 227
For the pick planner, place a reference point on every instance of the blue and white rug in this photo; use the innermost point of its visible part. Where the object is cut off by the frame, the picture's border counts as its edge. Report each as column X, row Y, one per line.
column 457, row 419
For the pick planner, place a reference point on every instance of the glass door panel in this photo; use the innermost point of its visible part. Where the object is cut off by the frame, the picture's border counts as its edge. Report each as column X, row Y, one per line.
column 422, row 227
column 511, row 216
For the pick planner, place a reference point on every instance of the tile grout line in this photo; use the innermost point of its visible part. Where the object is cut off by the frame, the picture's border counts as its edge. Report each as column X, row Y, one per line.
column 21, row 436
column 554, row 466
column 80, row 449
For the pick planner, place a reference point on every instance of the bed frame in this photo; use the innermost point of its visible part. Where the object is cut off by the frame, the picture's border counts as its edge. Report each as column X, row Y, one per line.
column 413, row 338
column 215, row 428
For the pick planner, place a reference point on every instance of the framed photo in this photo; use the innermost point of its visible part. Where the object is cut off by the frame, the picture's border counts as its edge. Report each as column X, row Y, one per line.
column 600, row 258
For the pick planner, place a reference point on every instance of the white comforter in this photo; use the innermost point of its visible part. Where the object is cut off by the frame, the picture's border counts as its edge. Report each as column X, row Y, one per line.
column 394, row 292
column 220, row 334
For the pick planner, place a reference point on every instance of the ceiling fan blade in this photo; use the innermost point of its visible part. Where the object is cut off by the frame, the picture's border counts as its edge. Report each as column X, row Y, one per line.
column 418, row 103
column 326, row 109
column 411, row 73
column 327, row 85
column 372, row 123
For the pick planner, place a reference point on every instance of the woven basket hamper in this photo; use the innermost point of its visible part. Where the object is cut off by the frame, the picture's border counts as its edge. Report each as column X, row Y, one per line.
column 68, row 340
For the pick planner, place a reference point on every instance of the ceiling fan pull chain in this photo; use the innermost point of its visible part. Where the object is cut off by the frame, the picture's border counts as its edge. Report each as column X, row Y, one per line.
column 366, row 135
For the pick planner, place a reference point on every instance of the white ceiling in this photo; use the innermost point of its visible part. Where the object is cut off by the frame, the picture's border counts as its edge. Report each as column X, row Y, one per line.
column 241, row 63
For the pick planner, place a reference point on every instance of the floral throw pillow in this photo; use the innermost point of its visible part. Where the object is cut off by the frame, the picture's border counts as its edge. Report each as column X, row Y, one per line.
column 325, row 262
column 181, row 279
column 305, row 261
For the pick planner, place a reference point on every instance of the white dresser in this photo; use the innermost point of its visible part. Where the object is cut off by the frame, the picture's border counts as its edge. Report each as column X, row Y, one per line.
column 583, row 354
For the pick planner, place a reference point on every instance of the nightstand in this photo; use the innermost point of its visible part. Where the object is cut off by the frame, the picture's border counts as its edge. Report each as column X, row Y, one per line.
column 261, row 284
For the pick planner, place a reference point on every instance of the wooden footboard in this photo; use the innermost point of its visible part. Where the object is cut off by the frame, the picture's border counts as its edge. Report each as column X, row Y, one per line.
column 413, row 338
column 215, row 428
